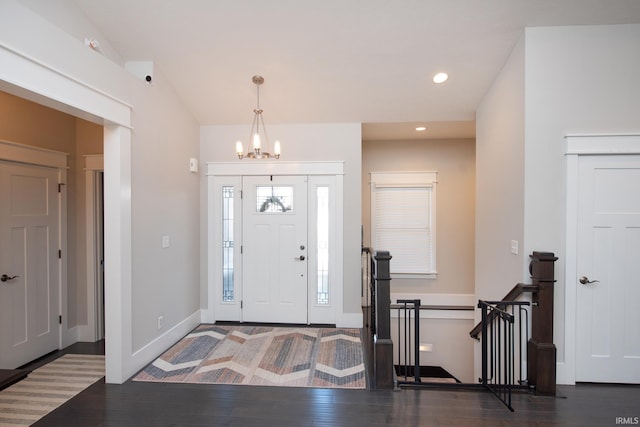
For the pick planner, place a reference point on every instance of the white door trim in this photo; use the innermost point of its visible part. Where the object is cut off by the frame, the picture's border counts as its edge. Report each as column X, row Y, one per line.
column 262, row 167
column 15, row 152
column 576, row 146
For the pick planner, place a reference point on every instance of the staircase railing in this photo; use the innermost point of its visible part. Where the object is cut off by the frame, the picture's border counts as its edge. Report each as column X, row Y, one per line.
column 368, row 291
column 540, row 352
column 378, row 282
column 504, row 331
column 408, row 345
column 503, row 325
column 513, row 295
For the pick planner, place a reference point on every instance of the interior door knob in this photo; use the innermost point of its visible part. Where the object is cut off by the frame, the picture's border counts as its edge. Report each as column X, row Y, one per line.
column 300, row 258
column 585, row 280
column 6, row 278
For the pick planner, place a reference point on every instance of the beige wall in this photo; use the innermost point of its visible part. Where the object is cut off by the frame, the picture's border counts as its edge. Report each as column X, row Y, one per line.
column 32, row 124
column 454, row 160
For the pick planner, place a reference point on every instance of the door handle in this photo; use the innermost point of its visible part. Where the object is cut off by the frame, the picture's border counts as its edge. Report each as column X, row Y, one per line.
column 585, row 280
column 300, row 258
column 6, row 278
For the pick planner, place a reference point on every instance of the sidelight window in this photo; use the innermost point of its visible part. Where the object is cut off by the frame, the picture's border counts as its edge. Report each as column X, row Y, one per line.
column 322, row 196
column 227, row 245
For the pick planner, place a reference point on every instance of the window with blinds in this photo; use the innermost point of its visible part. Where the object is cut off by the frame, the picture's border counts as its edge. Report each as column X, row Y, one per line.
column 403, row 220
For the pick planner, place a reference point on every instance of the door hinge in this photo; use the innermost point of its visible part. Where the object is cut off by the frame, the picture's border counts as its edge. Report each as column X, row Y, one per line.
column 59, row 253
column 60, row 319
column 241, row 249
column 60, row 187
column 241, row 304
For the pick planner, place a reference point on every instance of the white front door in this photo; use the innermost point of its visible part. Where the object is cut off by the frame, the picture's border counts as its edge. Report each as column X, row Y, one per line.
column 274, row 249
column 29, row 266
column 608, row 267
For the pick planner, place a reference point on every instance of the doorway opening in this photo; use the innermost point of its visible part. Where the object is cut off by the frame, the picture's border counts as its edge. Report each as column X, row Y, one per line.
column 94, row 190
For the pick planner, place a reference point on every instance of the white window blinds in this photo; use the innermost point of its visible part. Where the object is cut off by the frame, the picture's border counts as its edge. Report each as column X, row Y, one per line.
column 403, row 220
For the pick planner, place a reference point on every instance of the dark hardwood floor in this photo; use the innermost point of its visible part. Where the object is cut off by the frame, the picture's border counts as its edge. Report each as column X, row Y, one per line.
column 153, row 404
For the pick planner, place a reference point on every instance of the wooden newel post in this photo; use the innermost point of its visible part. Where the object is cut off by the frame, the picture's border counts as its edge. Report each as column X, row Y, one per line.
column 382, row 345
column 541, row 351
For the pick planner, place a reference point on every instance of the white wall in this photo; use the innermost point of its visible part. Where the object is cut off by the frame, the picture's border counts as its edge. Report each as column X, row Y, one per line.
column 500, row 181
column 301, row 142
column 558, row 81
column 163, row 195
column 578, row 80
column 64, row 14
column 500, row 186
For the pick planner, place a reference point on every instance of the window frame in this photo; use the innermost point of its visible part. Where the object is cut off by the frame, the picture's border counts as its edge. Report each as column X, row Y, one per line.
column 407, row 180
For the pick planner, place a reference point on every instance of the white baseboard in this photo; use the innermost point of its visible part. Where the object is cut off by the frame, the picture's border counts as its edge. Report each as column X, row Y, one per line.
column 349, row 320
column 563, row 376
column 142, row 357
column 206, row 316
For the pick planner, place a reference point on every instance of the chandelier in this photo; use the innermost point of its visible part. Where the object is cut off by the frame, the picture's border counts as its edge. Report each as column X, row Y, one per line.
column 257, row 127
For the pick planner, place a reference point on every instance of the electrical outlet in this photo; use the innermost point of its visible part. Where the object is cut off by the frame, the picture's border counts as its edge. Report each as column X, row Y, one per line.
column 514, row 247
column 166, row 242
column 160, row 322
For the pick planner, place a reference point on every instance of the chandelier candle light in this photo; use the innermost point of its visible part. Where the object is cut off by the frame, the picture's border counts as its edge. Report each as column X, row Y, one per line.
column 256, row 152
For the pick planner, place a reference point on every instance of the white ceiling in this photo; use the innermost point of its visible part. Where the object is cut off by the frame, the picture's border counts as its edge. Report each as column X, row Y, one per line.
column 328, row 61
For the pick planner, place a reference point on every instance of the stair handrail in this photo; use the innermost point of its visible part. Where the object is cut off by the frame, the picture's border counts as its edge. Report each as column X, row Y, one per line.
column 515, row 293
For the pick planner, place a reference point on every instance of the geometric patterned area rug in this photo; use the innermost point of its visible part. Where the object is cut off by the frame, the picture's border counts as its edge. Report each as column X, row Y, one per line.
column 257, row 355
column 48, row 387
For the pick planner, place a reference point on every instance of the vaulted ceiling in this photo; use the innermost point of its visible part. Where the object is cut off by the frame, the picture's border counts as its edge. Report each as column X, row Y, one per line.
column 369, row 61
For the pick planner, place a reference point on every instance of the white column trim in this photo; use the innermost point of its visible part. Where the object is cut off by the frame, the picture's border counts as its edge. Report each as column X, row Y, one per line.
column 117, row 251
column 60, row 90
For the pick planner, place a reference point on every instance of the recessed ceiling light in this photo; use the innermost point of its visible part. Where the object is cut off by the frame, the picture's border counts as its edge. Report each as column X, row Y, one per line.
column 440, row 78
column 421, row 128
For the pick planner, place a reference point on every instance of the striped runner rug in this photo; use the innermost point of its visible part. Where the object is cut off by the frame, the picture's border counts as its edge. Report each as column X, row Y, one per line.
column 256, row 355
column 48, row 387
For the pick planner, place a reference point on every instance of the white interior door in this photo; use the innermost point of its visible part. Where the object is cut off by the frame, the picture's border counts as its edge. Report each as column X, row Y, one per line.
column 274, row 249
column 608, row 266
column 29, row 242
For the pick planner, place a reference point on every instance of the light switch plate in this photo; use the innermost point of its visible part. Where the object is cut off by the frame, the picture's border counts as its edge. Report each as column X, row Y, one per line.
column 165, row 242
column 514, row 247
